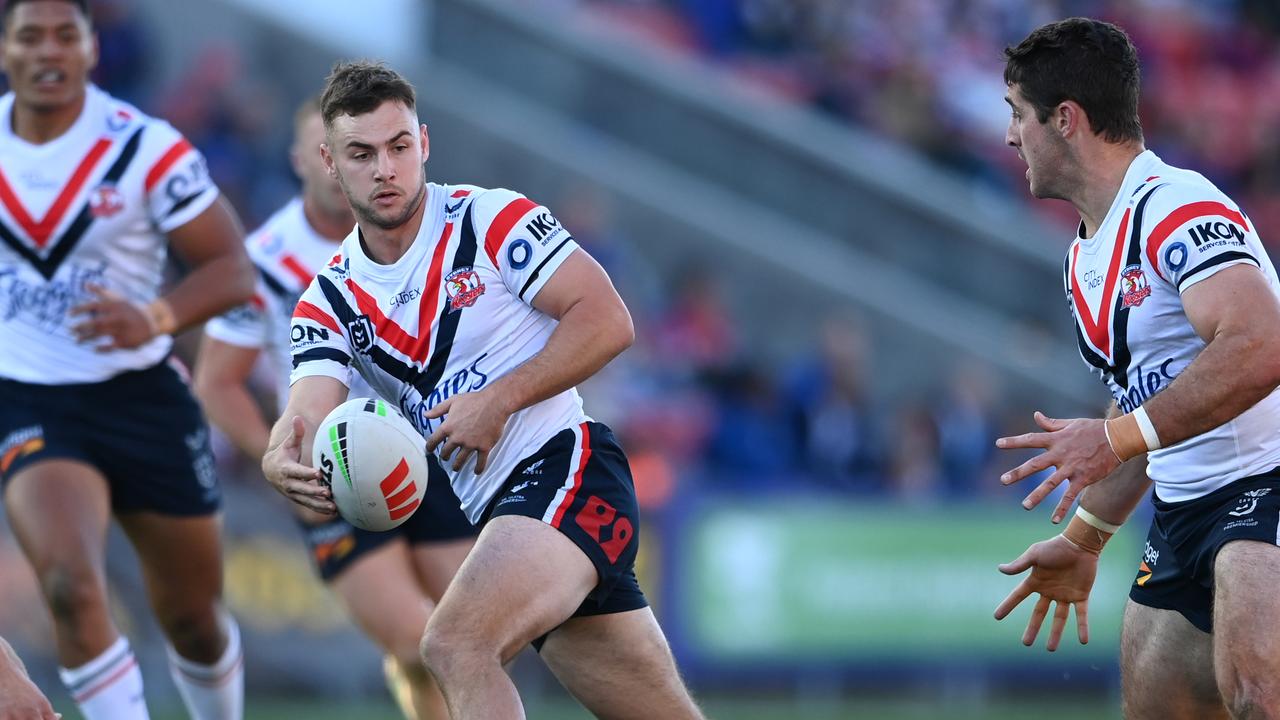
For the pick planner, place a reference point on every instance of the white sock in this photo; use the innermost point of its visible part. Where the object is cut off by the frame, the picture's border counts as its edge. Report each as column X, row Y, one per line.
column 108, row 687
column 212, row 692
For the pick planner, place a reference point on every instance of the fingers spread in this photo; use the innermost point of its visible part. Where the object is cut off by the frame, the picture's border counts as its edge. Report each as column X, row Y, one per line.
column 1044, row 489
column 1037, row 619
column 1014, row 599
column 1059, row 622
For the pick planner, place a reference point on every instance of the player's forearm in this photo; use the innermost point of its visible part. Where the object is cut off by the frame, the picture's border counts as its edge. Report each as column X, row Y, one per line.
column 233, row 410
column 1114, row 498
column 218, row 285
column 588, row 337
column 1233, row 372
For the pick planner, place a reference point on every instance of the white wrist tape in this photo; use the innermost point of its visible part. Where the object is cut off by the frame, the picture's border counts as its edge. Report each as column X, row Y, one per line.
column 1096, row 521
column 1148, row 430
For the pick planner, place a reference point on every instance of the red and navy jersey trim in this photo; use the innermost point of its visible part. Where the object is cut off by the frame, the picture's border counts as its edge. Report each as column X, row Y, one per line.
column 1118, row 367
column 62, row 246
column 423, row 379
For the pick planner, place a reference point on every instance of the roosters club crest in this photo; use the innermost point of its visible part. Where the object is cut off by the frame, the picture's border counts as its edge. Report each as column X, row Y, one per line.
column 1133, row 286
column 105, row 201
column 464, row 288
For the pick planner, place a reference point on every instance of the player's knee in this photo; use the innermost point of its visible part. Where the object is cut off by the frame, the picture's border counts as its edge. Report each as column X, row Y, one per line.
column 194, row 632
column 445, row 651
column 74, row 595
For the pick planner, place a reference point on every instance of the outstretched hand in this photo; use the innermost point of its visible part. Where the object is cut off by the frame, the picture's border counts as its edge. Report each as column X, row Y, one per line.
column 1077, row 449
column 296, row 480
column 1061, row 572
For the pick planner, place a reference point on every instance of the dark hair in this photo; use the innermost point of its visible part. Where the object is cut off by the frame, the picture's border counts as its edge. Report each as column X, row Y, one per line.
column 1085, row 60
column 9, row 5
column 355, row 88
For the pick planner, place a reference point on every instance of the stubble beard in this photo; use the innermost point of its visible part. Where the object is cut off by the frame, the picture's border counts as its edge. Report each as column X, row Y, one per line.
column 366, row 214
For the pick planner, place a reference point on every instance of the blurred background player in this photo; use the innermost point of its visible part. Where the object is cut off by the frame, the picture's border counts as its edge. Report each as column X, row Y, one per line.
column 1177, row 310
column 388, row 581
column 508, row 316
column 20, row 699
column 94, row 421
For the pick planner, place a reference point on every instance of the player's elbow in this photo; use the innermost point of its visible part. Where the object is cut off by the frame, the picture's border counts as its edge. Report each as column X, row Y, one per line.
column 624, row 330
column 242, row 279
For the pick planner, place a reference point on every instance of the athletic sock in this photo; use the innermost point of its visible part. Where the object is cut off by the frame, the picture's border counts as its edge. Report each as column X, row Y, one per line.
column 212, row 692
column 108, row 687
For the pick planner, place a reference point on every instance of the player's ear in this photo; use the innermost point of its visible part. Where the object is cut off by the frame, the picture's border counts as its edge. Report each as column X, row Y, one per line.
column 426, row 142
column 1069, row 118
column 327, row 158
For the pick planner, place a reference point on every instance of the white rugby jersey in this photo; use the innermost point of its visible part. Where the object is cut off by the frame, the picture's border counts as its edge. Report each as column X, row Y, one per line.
column 450, row 316
column 90, row 207
column 1167, row 230
column 287, row 252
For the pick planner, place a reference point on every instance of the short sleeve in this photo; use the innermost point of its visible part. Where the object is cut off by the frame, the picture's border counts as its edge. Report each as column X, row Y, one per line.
column 243, row 326
column 523, row 240
column 1193, row 240
column 316, row 340
column 177, row 184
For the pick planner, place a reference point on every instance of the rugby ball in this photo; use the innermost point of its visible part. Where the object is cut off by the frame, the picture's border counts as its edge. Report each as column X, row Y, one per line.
column 373, row 461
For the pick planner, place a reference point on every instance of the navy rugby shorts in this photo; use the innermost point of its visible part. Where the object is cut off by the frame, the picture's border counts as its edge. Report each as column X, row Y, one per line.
column 141, row 429
column 579, row 482
column 336, row 544
column 1176, row 568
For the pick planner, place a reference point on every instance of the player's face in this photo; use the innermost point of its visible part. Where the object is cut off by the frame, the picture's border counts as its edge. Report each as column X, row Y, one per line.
column 320, row 187
column 1039, row 146
column 48, row 51
column 378, row 159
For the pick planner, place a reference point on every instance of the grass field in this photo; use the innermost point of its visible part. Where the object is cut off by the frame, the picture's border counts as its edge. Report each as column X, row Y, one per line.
column 1054, row 708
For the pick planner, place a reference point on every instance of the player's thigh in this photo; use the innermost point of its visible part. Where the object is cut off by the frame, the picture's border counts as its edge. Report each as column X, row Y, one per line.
column 522, row 578
column 619, row 666
column 381, row 593
column 1246, row 617
column 59, row 510
column 1166, row 667
column 437, row 562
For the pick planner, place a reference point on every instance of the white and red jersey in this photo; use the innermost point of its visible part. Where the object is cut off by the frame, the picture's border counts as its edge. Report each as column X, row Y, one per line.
column 451, row 316
column 90, row 207
column 1167, row 230
column 287, row 251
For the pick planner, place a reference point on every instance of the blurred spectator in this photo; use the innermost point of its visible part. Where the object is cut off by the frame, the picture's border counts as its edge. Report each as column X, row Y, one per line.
column 830, row 414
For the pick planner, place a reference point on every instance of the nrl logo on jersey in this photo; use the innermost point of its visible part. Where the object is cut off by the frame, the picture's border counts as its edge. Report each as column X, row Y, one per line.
column 1133, row 284
column 464, row 288
column 361, row 333
column 105, row 201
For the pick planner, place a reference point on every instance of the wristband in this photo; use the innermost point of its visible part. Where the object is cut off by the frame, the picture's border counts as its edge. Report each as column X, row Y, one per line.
column 1085, row 536
column 1125, row 436
column 160, row 317
column 1095, row 521
column 1149, row 435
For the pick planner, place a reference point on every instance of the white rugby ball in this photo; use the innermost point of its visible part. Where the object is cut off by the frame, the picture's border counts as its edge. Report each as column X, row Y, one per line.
column 374, row 462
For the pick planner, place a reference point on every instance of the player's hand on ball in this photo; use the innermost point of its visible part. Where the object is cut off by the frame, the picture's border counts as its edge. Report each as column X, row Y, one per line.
column 1078, row 450
column 284, row 469
column 1062, row 573
column 123, row 324
column 473, row 426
